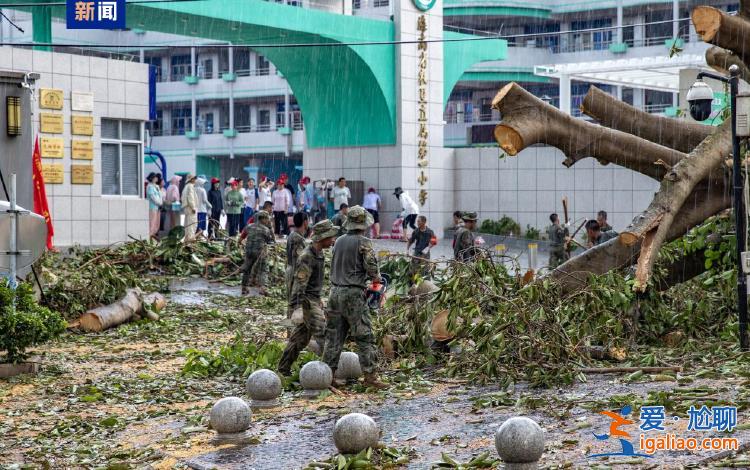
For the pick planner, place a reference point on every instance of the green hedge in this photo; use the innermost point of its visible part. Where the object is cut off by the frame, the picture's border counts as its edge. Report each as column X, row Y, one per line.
column 25, row 324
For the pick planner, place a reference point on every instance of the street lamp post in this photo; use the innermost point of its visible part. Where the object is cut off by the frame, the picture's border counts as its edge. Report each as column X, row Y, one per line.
column 700, row 108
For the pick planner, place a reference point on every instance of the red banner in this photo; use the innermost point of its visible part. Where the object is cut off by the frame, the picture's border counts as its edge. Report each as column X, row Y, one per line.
column 40, row 194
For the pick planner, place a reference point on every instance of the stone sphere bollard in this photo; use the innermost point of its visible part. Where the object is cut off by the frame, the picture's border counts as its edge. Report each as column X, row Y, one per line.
column 230, row 418
column 349, row 367
column 264, row 388
column 520, row 443
column 315, row 378
column 355, row 432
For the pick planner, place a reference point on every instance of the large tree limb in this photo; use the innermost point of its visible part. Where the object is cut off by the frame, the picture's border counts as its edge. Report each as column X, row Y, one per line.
column 677, row 134
column 574, row 274
column 527, row 120
column 652, row 226
column 721, row 59
column 720, row 29
column 132, row 304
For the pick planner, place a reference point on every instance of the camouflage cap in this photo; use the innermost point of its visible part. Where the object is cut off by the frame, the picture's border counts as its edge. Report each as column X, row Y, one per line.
column 262, row 215
column 470, row 216
column 324, row 229
column 358, row 219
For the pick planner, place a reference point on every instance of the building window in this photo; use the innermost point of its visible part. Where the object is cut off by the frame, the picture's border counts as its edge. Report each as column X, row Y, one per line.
column 121, row 157
column 264, row 120
column 180, row 67
column 380, row 3
column 156, row 128
column 182, row 120
column 262, row 66
column 280, row 115
column 242, row 117
column 356, row 4
column 206, row 70
column 155, row 62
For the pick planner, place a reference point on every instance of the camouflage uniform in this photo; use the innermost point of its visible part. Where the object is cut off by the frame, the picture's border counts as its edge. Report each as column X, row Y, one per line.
column 309, row 272
column 463, row 245
column 354, row 263
column 339, row 220
column 558, row 254
column 255, row 267
column 295, row 245
column 605, row 237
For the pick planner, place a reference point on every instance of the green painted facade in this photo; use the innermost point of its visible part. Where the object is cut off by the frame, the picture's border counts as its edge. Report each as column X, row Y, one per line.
column 459, row 56
column 347, row 92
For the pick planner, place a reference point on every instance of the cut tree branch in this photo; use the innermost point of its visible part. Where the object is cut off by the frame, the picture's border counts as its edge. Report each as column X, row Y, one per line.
column 527, row 120
column 677, row 134
column 721, row 59
column 720, row 29
column 652, row 226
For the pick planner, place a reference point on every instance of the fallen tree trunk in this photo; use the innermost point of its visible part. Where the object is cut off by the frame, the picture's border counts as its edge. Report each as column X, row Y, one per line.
column 676, row 134
column 527, row 120
column 574, row 274
column 132, row 304
column 720, row 29
column 721, row 59
column 651, row 228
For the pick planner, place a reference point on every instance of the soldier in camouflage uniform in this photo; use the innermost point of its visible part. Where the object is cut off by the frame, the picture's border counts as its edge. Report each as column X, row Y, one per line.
column 307, row 286
column 295, row 244
column 463, row 249
column 255, row 267
column 354, row 263
column 557, row 235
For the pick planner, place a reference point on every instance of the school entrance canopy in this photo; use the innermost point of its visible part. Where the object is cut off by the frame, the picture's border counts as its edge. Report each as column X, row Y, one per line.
column 660, row 73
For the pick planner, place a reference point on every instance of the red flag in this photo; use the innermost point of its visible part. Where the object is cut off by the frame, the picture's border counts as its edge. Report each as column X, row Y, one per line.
column 40, row 194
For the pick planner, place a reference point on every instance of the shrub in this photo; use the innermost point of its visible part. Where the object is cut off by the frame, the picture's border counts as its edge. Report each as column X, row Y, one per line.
column 531, row 233
column 26, row 324
column 504, row 226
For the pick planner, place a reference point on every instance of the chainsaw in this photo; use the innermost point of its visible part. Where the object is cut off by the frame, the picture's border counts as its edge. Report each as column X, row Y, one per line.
column 375, row 293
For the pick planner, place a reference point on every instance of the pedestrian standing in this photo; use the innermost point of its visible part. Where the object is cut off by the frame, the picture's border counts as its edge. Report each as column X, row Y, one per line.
column 409, row 210
column 304, row 196
column 295, row 244
column 341, row 194
column 172, row 202
column 464, row 249
column 190, row 207
column 251, row 201
column 280, row 207
column 204, row 205
column 372, row 204
column 557, row 235
column 348, row 316
column 216, row 199
column 153, row 193
column 265, row 192
column 233, row 208
column 162, row 211
column 307, row 290
column 423, row 239
column 258, row 236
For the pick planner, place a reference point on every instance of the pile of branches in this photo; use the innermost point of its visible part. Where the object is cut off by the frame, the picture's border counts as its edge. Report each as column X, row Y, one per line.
column 83, row 279
column 540, row 333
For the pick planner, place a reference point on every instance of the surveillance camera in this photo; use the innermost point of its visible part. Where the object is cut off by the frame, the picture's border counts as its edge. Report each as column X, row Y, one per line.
column 699, row 97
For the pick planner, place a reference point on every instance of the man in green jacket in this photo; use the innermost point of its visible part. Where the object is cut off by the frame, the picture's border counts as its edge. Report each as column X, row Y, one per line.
column 233, row 208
